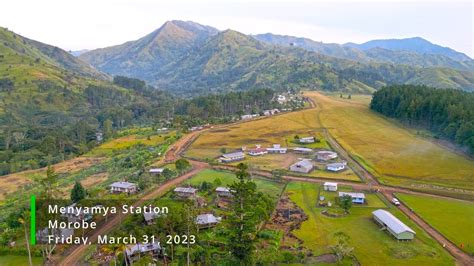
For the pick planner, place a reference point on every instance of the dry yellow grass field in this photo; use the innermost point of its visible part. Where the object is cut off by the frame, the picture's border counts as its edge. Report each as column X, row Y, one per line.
column 394, row 154
column 12, row 182
column 274, row 130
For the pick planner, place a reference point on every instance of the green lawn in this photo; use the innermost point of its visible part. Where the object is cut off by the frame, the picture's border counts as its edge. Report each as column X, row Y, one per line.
column 453, row 218
column 14, row 260
column 371, row 246
column 264, row 185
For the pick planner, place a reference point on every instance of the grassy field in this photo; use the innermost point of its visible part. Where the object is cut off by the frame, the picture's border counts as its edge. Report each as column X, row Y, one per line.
column 453, row 218
column 14, row 260
column 279, row 129
column 371, row 245
column 391, row 152
column 264, row 185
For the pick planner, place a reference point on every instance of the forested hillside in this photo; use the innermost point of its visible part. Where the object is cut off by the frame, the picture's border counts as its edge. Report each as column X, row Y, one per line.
column 189, row 59
column 447, row 113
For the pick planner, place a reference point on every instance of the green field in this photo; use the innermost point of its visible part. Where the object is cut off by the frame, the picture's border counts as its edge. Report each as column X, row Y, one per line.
column 453, row 218
column 371, row 245
column 394, row 154
column 14, row 260
column 227, row 178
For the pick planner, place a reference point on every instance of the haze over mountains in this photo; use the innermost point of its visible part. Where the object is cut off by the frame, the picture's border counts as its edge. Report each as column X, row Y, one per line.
column 189, row 58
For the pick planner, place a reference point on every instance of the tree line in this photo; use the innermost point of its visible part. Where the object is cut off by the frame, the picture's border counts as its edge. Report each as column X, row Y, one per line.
column 447, row 113
column 61, row 122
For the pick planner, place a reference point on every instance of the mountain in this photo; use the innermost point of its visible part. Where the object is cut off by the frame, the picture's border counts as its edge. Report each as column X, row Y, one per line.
column 78, row 52
column 385, row 54
column 43, row 53
column 233, row 61
column 415, row 44
column 145, row 56
column 187, row 58
column 52, row 103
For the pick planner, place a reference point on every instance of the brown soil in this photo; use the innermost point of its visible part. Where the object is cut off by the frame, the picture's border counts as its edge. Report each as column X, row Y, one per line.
column 287, row 217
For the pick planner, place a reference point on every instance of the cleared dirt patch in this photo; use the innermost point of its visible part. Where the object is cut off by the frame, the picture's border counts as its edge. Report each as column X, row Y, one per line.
column 11, row 183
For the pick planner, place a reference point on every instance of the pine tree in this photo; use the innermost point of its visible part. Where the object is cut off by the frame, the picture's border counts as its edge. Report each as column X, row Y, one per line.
column 78, row 192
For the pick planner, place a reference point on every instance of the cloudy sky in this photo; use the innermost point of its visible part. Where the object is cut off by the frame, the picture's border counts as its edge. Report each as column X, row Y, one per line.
column 89, row 24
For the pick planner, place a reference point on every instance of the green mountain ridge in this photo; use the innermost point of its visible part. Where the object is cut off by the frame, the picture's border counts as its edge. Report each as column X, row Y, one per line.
column 375, row 53
column 229, row 60
column 143, row 57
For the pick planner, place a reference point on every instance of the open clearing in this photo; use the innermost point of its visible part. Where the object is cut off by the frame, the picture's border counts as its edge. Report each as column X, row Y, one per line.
column 393, row 154
column 453, row 218
column 12, row 182
column 371, row 245
column 14, row 260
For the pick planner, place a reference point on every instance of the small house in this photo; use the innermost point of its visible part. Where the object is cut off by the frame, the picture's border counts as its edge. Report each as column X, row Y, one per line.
column 224, row 192
column 150, row 217
column 303, row 166
column 393, row 225
column 74, row 214
column 325, row 155
column 335, row 167
column 276, row 148
column 358, row 198
column 232, row 157
column 123, row 187
column 307, row 140
column 43, row 235
column 303, row 150
column 281, row 99
column 185, row 192
column 156, row 171
column 135, row 252
column 330, row 186
column 207, row 220
column 258, row 151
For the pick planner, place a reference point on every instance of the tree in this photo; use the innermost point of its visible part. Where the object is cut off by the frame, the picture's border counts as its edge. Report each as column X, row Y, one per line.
column 78, row 192
column 108, row 129
column 241, row 241
column 23, row 221
column 182, row 165
column 345, row 202
column 342, row 249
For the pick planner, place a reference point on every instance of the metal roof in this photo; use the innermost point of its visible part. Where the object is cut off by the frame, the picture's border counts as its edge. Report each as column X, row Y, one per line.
column 156, row 170
column 233, row 154
column 142, row 248
column 185, row 189
column 330, row 183
column 222, row 189
column 392, row 222
column 304, row 163
column 123, row 185
column 352, row 194
column 303, row 149
column 208, row 218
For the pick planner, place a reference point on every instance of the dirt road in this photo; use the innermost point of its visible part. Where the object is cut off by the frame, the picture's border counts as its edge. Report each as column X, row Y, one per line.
column 76, row 253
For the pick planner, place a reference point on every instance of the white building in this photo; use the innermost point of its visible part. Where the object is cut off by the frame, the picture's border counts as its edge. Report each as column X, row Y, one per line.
column 185, row 192
column 207, row 220
column 257, row 151
column 134, row 252
column 307, row 140
column 330, row 186
column 156, row 171
column 123, row 187
column 276, row 148
column 303, row 166
column 335, row 167
column 325, row 155
column 224, row 192
column 356, row 197
column 303, row 150
column 394, row 226
column 232, row 157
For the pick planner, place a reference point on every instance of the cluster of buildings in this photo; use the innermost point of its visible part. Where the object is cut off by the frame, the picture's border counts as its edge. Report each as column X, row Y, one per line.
column 257, row 151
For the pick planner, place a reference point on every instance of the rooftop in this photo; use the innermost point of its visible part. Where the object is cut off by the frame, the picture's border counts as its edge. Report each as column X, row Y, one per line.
column 392, row 222
column 123, row 185
column 352, row 194
column 233, row 154
column 185, row 189
column 207, row 218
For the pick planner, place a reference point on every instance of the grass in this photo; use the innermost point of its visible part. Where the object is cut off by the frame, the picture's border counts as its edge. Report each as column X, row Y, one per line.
column 125, row 142
column 394, row 154
column 15, row 260
column 371, row 245
column 274, row 130
column 227, row 178
column 453, row 218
